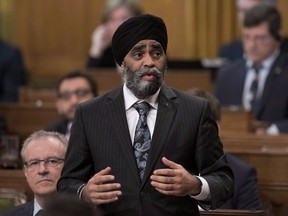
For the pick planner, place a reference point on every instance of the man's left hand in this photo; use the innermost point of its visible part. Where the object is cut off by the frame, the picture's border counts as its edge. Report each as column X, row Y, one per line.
column 175, row 180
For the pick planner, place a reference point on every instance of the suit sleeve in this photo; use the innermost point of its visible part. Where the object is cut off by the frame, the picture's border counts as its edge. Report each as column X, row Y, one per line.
column 212, row 163
column 78, row 166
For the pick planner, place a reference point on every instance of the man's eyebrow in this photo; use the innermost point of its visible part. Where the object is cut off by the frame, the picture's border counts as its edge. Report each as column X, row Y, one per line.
column 138, row 47
column 156, row 46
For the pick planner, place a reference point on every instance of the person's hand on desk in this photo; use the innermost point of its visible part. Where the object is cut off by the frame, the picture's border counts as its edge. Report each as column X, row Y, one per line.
column 100, row 190
column 261, row 127
column 175, row 180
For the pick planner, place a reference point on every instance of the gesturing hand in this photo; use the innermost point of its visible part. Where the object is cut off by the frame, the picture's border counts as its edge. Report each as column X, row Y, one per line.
column 100, row 190
column 175, row 180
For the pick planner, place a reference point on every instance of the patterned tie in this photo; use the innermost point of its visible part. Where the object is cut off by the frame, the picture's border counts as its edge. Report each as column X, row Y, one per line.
column 142, row 139
column 254, row 88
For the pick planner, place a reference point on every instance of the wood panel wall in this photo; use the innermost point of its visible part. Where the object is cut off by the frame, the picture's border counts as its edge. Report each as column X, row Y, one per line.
column 55, row 35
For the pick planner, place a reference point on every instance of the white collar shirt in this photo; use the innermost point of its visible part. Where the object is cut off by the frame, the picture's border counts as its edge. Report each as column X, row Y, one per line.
column 132, row 114
column 250, row 76
column 37, row 207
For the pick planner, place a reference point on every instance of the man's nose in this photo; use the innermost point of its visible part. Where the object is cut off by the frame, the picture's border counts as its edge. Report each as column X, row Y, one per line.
column 42, row 169
column 149, row 61
column 74, row 99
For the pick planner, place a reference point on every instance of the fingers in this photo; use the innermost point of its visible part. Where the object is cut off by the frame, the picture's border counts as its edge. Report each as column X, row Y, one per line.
column 172, row 180
column 101, row 189
column 170, row 163
column 103, row 195
column 102, row 176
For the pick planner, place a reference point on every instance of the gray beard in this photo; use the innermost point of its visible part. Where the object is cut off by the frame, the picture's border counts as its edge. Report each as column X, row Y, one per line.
column 143, row 88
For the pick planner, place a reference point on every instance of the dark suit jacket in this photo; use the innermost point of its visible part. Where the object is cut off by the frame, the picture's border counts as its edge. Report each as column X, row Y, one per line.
column 21, row 210
column 246, row 195
column 184, row 133
column 12, row 72
column 234, row 50
column 106, row 60
column 59, row 126
column 274, row 102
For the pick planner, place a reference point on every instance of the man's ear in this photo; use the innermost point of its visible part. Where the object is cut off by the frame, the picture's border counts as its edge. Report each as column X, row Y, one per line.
column 58, row 106
column 120, row 69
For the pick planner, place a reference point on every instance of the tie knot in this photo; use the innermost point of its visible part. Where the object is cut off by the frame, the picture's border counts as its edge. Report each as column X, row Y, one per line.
column 257, row 67
column 142, row 108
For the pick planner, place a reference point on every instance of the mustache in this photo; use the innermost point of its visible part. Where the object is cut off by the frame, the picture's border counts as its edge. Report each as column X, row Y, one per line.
column 149, row 71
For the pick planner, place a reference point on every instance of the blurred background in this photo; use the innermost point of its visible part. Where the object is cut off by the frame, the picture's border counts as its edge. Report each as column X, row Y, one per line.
column 55, row 36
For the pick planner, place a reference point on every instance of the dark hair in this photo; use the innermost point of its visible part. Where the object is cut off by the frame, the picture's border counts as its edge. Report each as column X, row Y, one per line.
column 212, row 100
column 78, row 74
column 264, row 13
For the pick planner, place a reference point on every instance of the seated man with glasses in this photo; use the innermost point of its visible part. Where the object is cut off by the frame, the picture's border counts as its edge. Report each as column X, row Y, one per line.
column 43, row 158
column 72, row 89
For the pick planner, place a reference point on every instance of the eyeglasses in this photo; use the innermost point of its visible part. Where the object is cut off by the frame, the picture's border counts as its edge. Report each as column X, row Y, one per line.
column 256, row 38
column 80, row 93
column 49, row 162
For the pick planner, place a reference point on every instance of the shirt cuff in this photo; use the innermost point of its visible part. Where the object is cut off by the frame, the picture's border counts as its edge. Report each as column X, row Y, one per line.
column 205, row 190
column 273, row 130
column 80, row 190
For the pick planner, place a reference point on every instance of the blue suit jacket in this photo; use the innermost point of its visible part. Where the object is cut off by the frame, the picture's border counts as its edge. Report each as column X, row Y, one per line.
column 58, row 126
column 273, row 107
column 12, row 72
column 246, row 195
column 21, row 210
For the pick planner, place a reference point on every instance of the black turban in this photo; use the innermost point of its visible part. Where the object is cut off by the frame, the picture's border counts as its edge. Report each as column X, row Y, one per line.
column 135, row 29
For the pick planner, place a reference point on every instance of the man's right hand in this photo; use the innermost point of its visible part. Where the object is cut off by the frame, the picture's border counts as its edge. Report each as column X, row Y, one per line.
column 100, row 189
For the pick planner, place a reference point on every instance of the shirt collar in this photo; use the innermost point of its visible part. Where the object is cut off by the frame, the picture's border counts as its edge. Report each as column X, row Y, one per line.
column 130, row 98
column 37, row 207
column 267, row 63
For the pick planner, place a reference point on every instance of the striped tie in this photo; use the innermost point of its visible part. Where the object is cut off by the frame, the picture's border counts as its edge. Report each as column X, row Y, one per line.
column 254, row 88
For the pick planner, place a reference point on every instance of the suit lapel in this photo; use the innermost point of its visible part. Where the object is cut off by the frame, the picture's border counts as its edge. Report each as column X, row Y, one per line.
column 240, row 80
column 165, row 116
column 275, row 72
column 119, row 119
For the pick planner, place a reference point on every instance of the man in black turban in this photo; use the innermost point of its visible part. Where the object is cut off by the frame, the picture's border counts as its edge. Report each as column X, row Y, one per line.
column 150, row 149
column 136, row 29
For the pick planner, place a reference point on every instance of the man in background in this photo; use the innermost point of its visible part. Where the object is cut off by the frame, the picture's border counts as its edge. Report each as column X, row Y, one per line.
column 246, row 194
column 12, row 72
column 234, row 50
column 259, row 82
column 43, row 156
column 72, row 89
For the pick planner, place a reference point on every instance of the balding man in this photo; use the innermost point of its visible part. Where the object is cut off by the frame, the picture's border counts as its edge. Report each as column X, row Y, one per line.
column 43, row 158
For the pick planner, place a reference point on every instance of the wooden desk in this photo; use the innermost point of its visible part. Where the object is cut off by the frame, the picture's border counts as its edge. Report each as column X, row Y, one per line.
column 223, row 212
column 15, row 179
column 23, row 119
column 37, row 97
column 269, row 155
column 236, row 120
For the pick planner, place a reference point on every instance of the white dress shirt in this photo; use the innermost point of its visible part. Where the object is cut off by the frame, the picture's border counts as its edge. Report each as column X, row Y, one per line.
column 263, row 74
column 250, row 76
column 37, row 207
column 132, row 119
